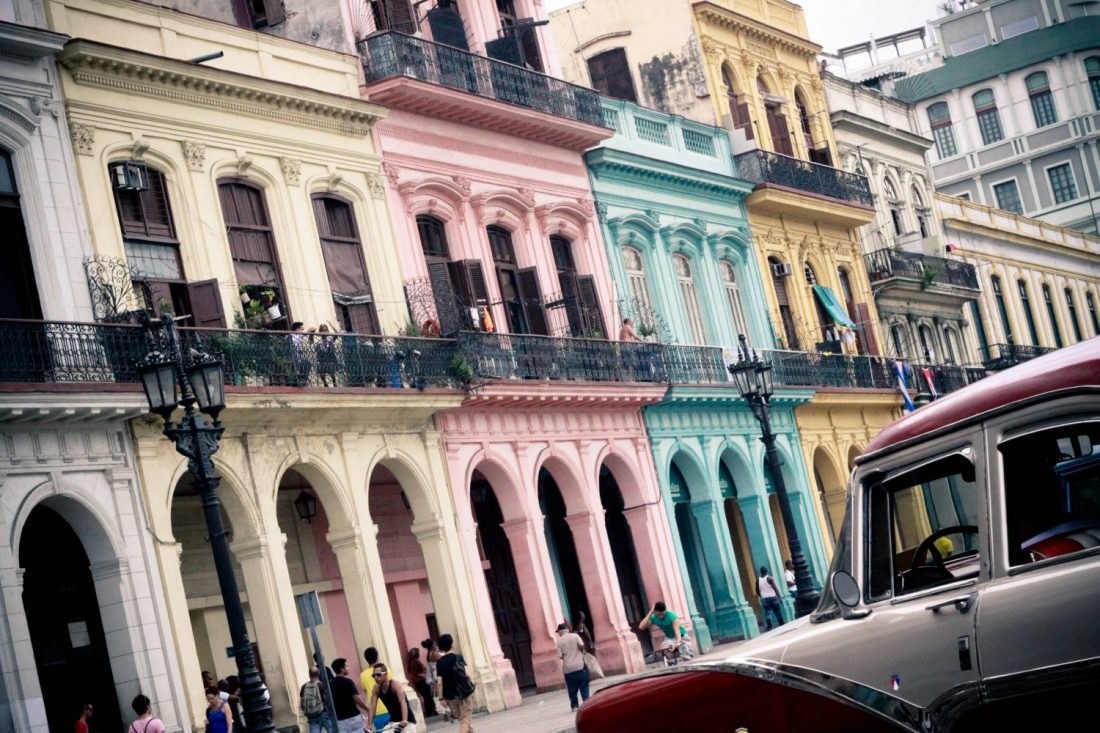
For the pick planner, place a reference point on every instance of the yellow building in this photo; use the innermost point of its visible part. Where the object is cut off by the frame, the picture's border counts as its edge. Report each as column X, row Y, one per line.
column 246, row 190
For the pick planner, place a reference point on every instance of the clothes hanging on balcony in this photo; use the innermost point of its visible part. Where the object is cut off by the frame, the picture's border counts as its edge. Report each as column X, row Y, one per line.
column 833, row 305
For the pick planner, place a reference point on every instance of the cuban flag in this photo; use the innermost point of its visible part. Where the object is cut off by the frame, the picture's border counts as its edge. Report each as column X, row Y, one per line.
column 900, row 368
column 931, row 384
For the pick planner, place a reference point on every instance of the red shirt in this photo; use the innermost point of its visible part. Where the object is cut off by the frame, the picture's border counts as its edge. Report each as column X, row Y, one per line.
column 80, row 726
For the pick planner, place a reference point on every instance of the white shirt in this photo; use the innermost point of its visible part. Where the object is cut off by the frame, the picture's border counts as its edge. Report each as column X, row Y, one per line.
column 765, row 587
column 788, row 575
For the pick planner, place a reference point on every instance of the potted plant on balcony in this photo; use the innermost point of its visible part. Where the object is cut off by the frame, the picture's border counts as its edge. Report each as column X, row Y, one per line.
column 271, row 302
column 245, row 297
column 927, row 275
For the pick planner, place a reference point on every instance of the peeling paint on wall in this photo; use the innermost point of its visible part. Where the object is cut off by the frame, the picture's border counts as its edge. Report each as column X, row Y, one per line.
column 669, row 80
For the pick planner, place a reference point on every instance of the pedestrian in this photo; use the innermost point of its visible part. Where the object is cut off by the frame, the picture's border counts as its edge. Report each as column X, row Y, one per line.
column 788, row 576
column 233, row 687
column 146, row 722
column 627, row 332
column 81, row 724
column 571, row 650
column 418, row 678
column 669, row 624
column 431, row 656
column 219, row 718
column 391, row 694
column 366, row 679
column 581, row 630
column 769, row 598
column 299, row 342
column 349, row 704
column 312, row 697
column 458, row 688
column 326, row 355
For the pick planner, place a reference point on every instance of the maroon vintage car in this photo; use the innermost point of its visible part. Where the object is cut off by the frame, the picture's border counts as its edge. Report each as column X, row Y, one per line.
column 964, row 591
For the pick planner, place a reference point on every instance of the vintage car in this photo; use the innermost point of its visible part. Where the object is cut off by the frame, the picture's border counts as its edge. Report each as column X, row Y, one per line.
column 964, row 593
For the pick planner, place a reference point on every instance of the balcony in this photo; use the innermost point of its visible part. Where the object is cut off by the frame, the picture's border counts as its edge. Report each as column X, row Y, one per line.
column 424, row 77
column 911, row 270
column 507, row 356
column 783, row 173
column 945, row 378
column 1003, row 356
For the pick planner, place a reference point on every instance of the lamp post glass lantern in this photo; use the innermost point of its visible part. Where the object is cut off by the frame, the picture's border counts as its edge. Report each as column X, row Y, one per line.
column 756, row 385
column 306, row 505
column 197, row 437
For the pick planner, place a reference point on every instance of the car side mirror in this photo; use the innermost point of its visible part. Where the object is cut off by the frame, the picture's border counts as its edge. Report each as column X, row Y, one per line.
column 845, row 588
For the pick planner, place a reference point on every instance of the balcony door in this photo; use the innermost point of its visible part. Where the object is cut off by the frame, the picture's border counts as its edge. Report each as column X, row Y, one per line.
column 578, row 293
column 255, row 259
column 777, row 121
column 519, row 289
column 786, row 315
column 18, row 291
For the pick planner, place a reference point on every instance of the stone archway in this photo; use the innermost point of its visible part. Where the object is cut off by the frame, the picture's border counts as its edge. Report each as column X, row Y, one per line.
column 831, row 490
column 563, row 552
column 747, row 542
column 624, row 554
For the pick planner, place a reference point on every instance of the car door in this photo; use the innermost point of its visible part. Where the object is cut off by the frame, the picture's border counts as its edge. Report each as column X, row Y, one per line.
column 1037, row 630
column 911, row 637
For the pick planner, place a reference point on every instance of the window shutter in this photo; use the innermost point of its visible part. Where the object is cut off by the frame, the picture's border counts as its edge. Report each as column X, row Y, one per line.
column 206, row 304
column 781, row 136
column 274, row 12
column 590, row 301
column 443, row 293
column 529, row 41
column 447, row 27
column 476, row 276
column 158, row 291
column 504, row 49
column 570, row 294
column 363, row 318
column 397, row 15
column 531, row 295
column 863, row 316
column 743, row 120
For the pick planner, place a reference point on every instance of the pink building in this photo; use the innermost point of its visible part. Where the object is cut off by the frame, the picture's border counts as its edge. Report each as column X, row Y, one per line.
column 549, row 460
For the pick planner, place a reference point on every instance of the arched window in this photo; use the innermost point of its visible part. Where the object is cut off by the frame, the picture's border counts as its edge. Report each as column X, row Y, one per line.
column 1042, row 101
column 738, row 106
column 252, row 244
column 892, row 203
column 433, row 237
column 899, row 337
column 951, row 343
column 809, row 274
column 928, row 349
column 924, row 214
column 635, row 278
column 1048, row 300
column 1092, row 69
column 18, row 289
column 1025, row 302
column 780, row 272
column 733, row 295
column 998, row 295
column 1071, row 305
column 686, row 279
column 803, row 119
column 939, row 117
column 989, row 121
column 582, row 306
column 777, row 121
column 347, row 271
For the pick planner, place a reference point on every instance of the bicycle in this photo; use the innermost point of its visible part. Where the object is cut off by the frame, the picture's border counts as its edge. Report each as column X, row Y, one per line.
column 667, row 654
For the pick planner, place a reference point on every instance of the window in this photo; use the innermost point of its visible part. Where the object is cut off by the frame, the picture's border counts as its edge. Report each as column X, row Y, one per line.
column 1052, row 492
column 1092, row 314
column 924, row 214
column 898, row 337
column 738, row 106
column 1092, row 69
column 804, row 121
column 686, row 280
column 989, row 121
column 891, row 196
column 928, row 349
column 979, row 327
column 1042, row 103
column 942, row 132
column 733, row 296
column 433, row 237
column 578, row 292
column 951, row 343
column 1072, row 307
column 777, row 121
column 258, row 13
column 1061, row 183
column 393, row 15
column 347, row 271
column 1025, row 303
column 252, row 245
column 998, row 295
column 610, row 74
column 1049, row 301
column 636, row 279
column 456, row 288
column 513, row 298
column 529, row 54
column 1008, row 196
column 18, row 288
column 923, row 528
column 779, row 283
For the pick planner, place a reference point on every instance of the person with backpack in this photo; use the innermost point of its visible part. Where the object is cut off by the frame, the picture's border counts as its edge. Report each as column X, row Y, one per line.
column 146, row 722
column 312, row 696
column 458, row 688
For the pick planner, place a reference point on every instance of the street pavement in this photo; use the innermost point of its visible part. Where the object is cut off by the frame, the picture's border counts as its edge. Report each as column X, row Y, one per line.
column 547, row 712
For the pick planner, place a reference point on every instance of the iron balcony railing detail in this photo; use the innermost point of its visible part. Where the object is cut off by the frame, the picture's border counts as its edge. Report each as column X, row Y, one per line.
column 884, row 264
column 1003, row 356
column 390, row 54
column 762, row 166
column 52, row 351
column 945, row 377
column 510, row 356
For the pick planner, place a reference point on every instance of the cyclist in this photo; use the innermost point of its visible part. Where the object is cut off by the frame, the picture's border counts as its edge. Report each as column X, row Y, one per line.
column 669, row 624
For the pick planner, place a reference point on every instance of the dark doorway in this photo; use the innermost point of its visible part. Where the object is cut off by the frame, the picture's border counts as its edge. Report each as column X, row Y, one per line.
column 693, row 552
column 625, row 556
column 70, row 650
column 502, row 582
column 563, row 552
column 18, row 291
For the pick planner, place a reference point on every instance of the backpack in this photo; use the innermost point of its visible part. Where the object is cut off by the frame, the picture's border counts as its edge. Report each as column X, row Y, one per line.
column 312, row 704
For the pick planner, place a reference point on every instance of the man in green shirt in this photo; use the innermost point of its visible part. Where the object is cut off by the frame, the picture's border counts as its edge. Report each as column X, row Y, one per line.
column 668, row 623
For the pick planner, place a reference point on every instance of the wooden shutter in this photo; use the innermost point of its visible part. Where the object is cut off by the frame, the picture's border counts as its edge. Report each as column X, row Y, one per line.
column 529, row 42
column 781, row 136
column 447, row 27
column 344, row 263
column 476, row 277
column 444, row 296
column 863, row 318
column 274, row 12
column 206, row 304
column 590, row 301
column 146, row 214
column 742, row 119
column 396, row 15
column 531, row 295
column 504, row 49
column 570, row 295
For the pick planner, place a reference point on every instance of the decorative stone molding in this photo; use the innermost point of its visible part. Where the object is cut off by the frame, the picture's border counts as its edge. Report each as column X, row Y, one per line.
column 377, row 186
column 292, row 170
column 83, row 136
column 601, row 211
column 139, row 149
column 332, row 183
column 243, row 164
column 195, row 153
column 463, row 183
column 393, row 173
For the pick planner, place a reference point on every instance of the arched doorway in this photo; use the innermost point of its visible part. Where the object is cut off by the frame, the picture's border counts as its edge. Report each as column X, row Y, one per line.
column 777, row 121
column 832, row 490
column 66, row 629
column 624, row 555
column 739, row 536
column 688, row 531
column 502, row 581
column 563, row 551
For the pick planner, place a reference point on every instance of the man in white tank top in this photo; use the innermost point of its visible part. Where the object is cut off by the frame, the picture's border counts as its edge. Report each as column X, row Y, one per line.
column 769, row 598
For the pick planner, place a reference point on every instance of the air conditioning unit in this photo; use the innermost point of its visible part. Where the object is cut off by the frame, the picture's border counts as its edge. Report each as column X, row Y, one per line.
column 781, row 269
column 130, row 175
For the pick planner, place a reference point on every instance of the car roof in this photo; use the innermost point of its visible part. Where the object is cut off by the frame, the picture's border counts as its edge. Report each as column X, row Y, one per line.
column 1076, row 366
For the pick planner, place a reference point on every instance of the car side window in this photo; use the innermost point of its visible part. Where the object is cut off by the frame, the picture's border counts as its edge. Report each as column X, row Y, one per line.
column 1052, row 492
column 924, row 528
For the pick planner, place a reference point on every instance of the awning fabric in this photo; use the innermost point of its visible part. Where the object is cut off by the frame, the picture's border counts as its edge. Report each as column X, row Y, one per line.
column 833, row 305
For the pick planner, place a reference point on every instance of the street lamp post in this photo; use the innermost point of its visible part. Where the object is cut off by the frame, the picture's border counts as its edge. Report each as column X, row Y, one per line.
column 754, row 382
column 201, row 381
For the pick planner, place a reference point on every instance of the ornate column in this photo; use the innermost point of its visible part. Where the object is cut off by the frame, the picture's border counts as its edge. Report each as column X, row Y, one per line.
column 733, row 616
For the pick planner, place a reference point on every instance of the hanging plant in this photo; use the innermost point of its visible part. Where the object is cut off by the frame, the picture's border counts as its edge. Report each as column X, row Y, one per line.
column 928, row 274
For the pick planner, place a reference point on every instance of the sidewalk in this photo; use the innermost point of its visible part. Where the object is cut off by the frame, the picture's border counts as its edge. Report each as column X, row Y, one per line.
column 548, row 712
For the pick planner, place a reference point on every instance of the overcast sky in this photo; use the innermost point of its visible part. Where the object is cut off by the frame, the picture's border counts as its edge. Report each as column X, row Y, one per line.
column 837, row 23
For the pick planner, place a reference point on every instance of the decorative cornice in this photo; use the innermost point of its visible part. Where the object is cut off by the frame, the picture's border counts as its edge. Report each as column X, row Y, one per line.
column 755, row 30
column 604, row 161
column 195, row 152
column 110, row 67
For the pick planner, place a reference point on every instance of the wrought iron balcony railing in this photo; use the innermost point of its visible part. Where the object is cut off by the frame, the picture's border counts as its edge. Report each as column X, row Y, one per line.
column 884, row 264
column 707, row 365
column 762, row 166
column 51, row 351
column 1003, row 356
column 392, row 54
column 506, row 356
column 945, row 377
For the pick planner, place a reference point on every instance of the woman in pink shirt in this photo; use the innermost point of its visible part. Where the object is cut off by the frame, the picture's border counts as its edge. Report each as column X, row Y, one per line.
column 145, row 722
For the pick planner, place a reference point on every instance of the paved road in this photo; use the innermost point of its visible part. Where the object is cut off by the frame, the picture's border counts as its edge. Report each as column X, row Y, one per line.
column 547, row 712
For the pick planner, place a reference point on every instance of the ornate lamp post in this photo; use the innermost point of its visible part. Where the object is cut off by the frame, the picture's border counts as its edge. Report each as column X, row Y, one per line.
column 170, row 382
column 755, row 383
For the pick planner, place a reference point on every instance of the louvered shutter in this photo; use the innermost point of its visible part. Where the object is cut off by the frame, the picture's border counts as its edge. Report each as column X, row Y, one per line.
column 206, row 304
column 398, row 15
column 529, row 41
column 531, row 295
column 867, row 331
column 444, row 296
column 781, row 136
column 476, row 277
column 274, row 12
column 744, row 121
column 570, row 294
column 590, row 301
column 447, row 28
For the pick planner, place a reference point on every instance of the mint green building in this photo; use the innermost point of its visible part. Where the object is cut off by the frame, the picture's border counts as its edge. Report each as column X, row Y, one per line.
column 680, row 252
